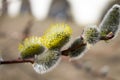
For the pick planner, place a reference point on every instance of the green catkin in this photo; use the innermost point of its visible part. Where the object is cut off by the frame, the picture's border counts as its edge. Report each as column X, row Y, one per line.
column 46, row 61
column 30, row 47
column 111, row 21
column 57, row 36
column 91, row 34
column 78, row 52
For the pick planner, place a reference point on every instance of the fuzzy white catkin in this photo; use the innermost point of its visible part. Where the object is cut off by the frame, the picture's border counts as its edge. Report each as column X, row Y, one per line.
column 46, row 61
column 79, row 52
column 111, row 21
column 91, row 34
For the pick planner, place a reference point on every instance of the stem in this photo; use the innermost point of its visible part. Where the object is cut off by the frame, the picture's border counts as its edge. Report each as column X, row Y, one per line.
column 17, row 61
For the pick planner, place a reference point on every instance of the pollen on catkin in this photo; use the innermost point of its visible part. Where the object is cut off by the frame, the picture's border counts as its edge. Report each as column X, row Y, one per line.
column 80, row 48
column 57, row 36
column 91, row 34
column 111, row 21
column 30, row 47
column 46, row 61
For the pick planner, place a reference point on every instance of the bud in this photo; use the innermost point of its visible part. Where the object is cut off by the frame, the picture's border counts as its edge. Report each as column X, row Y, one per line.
column 91, row 34
column 111, row 21
column 77, row 52
column 57, row 36
column 30, row 47
column 46, row 61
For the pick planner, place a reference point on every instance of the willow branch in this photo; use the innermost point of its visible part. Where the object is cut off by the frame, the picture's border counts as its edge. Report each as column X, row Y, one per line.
column 64, row 52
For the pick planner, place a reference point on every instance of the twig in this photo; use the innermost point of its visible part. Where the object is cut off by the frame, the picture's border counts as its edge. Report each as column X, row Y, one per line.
column 17, row 61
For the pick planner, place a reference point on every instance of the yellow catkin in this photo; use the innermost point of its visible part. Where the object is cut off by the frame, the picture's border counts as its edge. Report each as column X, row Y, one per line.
column 56, row 36
column 31, row 46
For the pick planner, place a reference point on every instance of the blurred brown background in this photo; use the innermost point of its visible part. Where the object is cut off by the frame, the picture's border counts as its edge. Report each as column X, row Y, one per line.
column 101, row 62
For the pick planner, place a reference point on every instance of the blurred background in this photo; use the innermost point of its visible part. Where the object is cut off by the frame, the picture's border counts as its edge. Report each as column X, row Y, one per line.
column 22, row 18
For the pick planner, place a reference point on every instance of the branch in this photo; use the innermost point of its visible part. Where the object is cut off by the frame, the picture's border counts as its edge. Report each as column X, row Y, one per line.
column 64, row 52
